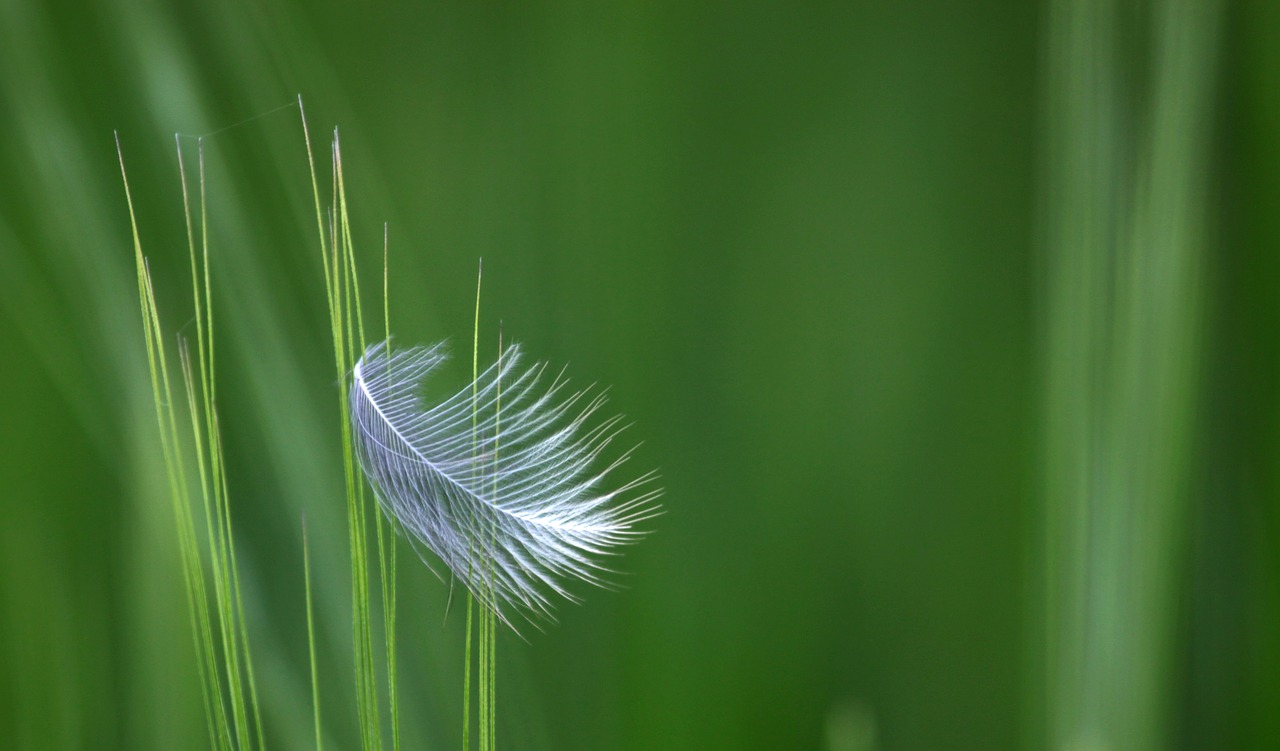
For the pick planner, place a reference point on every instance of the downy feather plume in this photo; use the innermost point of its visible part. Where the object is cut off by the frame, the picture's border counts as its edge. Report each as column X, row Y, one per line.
column 497, row 480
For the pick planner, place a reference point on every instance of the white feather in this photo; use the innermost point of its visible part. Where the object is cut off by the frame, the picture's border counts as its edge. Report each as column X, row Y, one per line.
column 499, row 486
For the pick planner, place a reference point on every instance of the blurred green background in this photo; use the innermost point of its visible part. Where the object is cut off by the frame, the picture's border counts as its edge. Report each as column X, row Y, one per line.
column 952, row 329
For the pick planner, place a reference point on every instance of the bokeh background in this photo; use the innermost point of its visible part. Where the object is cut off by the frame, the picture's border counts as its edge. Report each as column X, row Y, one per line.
column 951, row 327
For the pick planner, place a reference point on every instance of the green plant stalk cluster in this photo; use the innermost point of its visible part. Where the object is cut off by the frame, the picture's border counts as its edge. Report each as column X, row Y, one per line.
column 342, row 290
column 224, row 663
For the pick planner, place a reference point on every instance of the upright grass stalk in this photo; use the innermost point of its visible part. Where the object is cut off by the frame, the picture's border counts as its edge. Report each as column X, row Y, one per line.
column 387, row 555
column 311, row 638
column 1126, row 205
column 475, row 375
column 486, row 658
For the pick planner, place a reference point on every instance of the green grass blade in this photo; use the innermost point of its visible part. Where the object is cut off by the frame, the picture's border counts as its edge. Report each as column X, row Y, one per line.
column 311, row 637
column 1126, row 250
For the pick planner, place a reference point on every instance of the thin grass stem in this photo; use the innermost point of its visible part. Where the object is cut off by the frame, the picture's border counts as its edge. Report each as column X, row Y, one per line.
column 311, row 637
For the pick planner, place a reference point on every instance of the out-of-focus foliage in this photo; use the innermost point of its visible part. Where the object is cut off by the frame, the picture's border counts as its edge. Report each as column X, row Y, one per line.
column 808, row 249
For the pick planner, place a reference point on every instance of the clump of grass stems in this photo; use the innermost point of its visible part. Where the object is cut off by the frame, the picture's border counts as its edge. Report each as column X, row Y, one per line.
column 346, row 321
column 223, row 658
column 205, row 535
column 224, row 661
